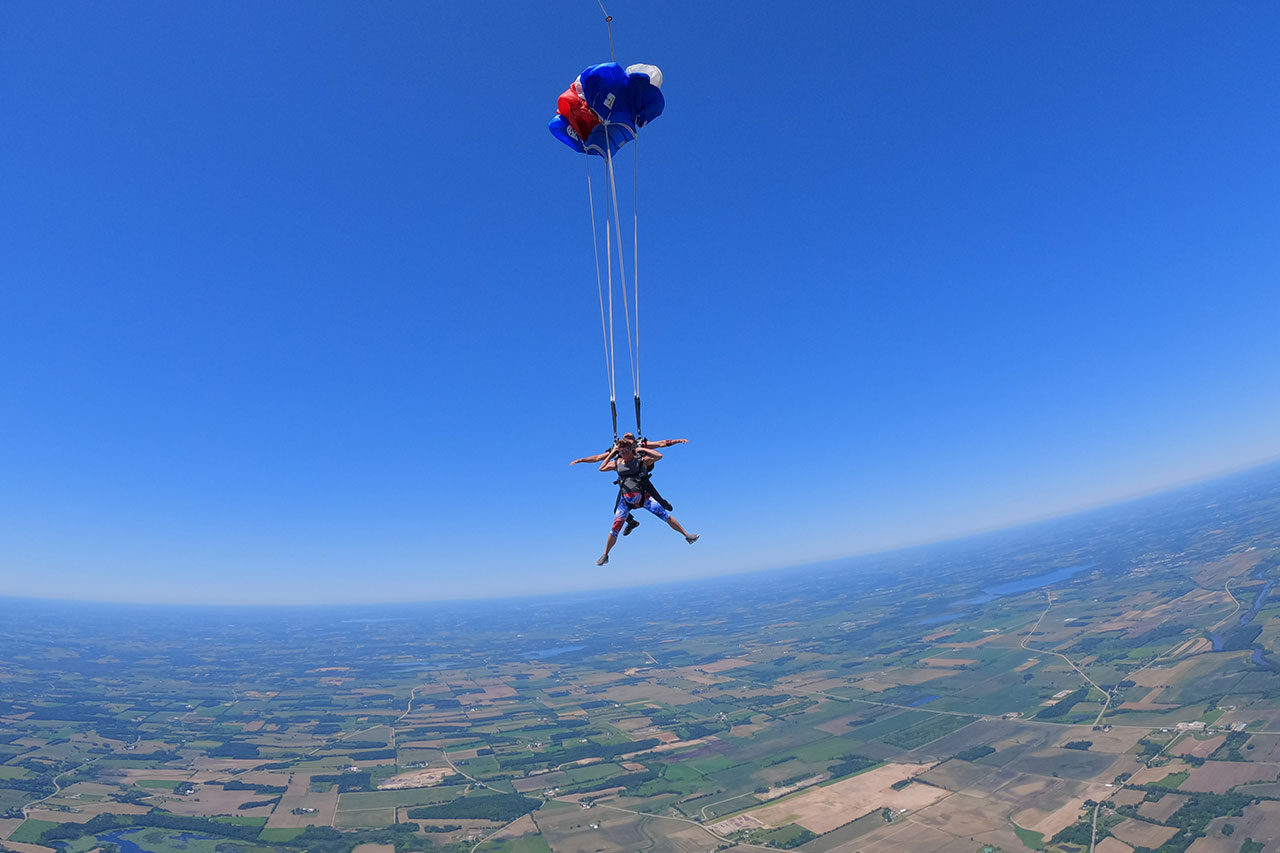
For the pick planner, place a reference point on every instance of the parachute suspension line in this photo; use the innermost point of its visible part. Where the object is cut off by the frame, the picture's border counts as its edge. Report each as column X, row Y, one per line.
column 608, row 22
column 605, row 328
column 635, row 262
column 608, row 262
column 622, row 272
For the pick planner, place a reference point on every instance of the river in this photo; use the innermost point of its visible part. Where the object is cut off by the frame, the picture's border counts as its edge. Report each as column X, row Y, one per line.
column 1026, row 584
column 128, row 845
column 1259, row 656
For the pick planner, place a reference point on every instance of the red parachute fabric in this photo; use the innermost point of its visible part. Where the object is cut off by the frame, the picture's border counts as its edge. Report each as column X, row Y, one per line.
column 573, row 106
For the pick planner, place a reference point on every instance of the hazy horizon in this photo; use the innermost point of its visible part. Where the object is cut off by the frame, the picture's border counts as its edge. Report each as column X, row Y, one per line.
column 1026, row 525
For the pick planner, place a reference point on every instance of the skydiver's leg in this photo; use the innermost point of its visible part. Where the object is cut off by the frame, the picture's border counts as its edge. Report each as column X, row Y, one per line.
column 608, row 546
column 657, row 509
column 621, row 514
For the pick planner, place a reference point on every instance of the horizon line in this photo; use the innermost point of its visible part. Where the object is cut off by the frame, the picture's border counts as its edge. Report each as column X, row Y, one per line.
column 1027, row 522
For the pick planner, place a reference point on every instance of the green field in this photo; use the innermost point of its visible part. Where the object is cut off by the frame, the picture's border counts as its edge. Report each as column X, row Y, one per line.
column 1172, row 781
column 390, row 799
column 1034, row 840
column 29, row 831
column 269, row 835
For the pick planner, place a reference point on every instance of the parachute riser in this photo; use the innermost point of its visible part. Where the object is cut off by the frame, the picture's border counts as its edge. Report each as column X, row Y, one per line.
column 608, row 22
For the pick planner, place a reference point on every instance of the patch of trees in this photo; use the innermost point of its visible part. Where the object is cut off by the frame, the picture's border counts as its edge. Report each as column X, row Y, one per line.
column 234, row 749
column 444, row 827
column 348, row 783
column 851, row 763
column 358, row 744
column 72, row 713
column 691, row 731
column 429, row 731
column 973, row 753
column 253, row 804
column 160, row 755
column 1077, row 833
column 1194, row 816
column 902, row 783
column 1230, row 749
column 237, row 785
column 581, row 751
column 372, row 754
column 1082, row 745
column 1240, row 637
column 1063, row 705
column 313, row 839
column 162, row 820
column 502, row 808
column 802, row 837
column 1148, row 748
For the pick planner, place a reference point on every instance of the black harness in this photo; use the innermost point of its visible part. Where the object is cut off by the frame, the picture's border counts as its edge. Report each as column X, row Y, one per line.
column 647, row 489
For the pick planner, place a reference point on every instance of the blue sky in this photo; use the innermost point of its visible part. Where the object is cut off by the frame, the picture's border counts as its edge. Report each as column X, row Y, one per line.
column 299, row 305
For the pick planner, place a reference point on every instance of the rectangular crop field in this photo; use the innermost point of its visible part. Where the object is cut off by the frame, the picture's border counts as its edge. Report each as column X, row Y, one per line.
column 29, row 832
column 391, row 799
column 929, row 730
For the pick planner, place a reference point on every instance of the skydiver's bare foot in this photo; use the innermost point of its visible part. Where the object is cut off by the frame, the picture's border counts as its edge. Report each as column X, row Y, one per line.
column 603, row 559
column 693, row 537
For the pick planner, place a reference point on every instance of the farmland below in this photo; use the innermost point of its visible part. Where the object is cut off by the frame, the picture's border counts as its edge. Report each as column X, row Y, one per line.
column 1104, row 681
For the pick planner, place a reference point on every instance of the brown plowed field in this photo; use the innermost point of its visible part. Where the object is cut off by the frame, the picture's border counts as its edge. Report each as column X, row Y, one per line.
column 824, row 808
column 1141, row 834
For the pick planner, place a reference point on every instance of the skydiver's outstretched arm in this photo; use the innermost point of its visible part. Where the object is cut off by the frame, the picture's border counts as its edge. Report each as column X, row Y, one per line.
column 662, row 442
column 599, row 457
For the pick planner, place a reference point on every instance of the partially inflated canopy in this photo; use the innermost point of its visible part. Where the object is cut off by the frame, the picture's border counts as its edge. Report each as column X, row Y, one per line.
column 606, row 106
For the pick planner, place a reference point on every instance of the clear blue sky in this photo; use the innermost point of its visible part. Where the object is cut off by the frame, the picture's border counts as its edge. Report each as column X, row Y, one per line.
column 298, row 302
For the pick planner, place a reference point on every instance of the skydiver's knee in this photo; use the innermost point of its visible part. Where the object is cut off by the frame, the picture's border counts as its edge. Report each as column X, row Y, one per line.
column 656, row 508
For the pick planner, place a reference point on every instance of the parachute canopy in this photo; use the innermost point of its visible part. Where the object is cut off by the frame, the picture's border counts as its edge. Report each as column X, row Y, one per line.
column 606, row 106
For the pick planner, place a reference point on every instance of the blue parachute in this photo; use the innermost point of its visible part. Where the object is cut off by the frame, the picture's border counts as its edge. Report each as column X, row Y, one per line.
column 606, row 106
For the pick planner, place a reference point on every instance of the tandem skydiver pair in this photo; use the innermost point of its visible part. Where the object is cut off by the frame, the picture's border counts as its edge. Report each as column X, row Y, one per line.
column 633, row 462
